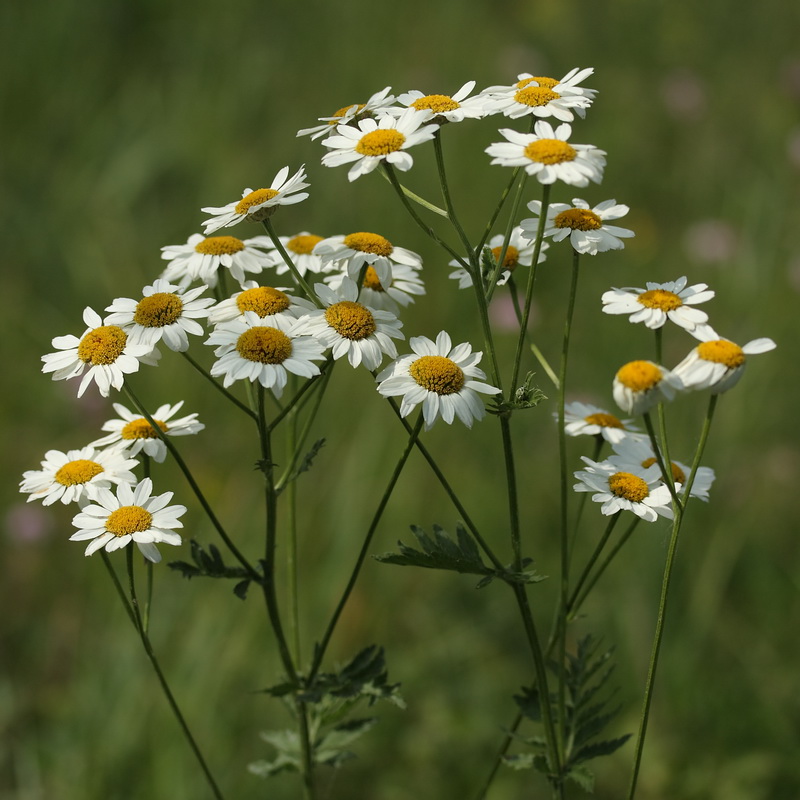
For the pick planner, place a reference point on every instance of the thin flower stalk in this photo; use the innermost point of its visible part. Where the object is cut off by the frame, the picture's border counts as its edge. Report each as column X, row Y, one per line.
column 299, row 279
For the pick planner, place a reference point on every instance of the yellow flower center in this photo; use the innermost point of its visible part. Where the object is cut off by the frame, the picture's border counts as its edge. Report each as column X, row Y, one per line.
column 579, row 219
column 547, row 82
column 629, row 487
column 157, row 310
column 103, row 345
column 219, row 246
column 255, row 198
column 342, row 111
column 351, row 320
column 380, row 142
column 550, row 151
column 437, row 374
column 678, row 475
column 371, row 280
column 303, row 244
column 142, row 429
column 264, row 300
column 80, row 471
column 512, row 256
column 265, row 345
column 128, row 519
column 604, row 420
column 369, row 243
column 535, row 96
column 661, row 299
column 438, row 103
column 721, row 351
column 639, row 376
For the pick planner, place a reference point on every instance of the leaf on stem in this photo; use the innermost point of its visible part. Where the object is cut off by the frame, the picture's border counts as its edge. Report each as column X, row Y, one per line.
column 209, row 564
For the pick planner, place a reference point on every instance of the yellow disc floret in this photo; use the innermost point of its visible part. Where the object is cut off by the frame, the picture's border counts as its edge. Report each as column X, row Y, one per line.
column 129, row 519
column 511, row 258
column 103, row 345
column 351, row 320
column 721, row 351
column 157, row 310
column 219, row 246
column 265, row 345
column 546, row 82
column 371, row 280
column 264, row 300
column 678, row 475
column 369, row 243
column 579, row 219
column 437, row 374
column 142, row 429
column 535, row 96
column 639, row 376
column 604, row 420
column 342, row 111
column 303, row 244
column 380, row 142
column 550, row 151
column 81, row 470
column 255, row 198
column 438, row 103
column 629, row 487
column 660, row 299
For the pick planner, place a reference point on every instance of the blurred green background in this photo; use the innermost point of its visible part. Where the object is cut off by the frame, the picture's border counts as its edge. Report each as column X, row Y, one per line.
column 120, row 120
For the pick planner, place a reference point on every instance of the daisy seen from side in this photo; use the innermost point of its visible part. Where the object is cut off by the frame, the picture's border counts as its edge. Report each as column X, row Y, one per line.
column 369, row 143
column 300, row 248
column 444, row 379
column 585, row 227
column 133, row 514
column 405, row 285
column 104, row 351
column 639, row 385
column 256, row 205
column 77, row 475
column 444, row 107
column 585, row 419
column 380, row 101
column 266, row 302
column 133, row 434
column 547, row 155
column 351, row 328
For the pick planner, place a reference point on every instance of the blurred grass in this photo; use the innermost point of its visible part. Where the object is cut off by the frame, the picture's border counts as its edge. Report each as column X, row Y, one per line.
column 121, row 119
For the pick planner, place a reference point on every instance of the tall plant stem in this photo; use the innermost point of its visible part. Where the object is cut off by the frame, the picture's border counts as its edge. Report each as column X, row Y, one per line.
column 662, row 606
column 320, row 649
column 506, row 238
column 292, row 594
column 219, row 387
column 135, row 613
column 299, row 279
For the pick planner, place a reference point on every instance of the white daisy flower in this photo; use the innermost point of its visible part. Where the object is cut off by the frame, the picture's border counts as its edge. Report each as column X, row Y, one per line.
column 164, row 313
column 201, row 258
column 351, row 328
column 444, row 107
column 259, row 204
column 106, row 349
column 445, row 379
column 404, row 285
column 249, row 350
column 372, row 142
column 635, row 454
column 132, row 515
column 133, row 434
column 519, row 252
column 77, row 475
column 266, row 302
column 360, row 248
column 542, row 97
column 639, row 385
column 546, row 154
column 378, row 102
column 584, row 226
column 659, row 302
column 716, row 363
column 300, row 249
column 639, row 491
column 584, row 419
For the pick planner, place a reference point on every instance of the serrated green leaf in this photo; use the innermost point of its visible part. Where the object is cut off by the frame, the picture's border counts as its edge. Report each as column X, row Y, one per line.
column 605, row 748
column 583, row 776
column 346, row 733
column 519, row 761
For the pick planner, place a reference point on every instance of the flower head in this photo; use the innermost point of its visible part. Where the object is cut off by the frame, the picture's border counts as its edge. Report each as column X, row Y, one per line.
column 369, row 143
column 445, row 379
column 659, row 302
column 131, row 433
column 444, row 107
column 261, row 203
column 105, row 349
column 584, row 226
column 132, row 515
column 585, row 419
column 405, row 284
column 301, row 250
column 380, row 101
column 548, row 155
column 639, row 385
column 266, row 302
column 77, row 475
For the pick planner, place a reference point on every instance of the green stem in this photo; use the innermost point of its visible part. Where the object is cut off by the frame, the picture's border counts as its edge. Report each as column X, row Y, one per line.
column 506, row 238
column 662, row 607
column 218, row 386
column 292, row 449
column 498, row 759
column 498, row 208
column 666, row 474
column 592, row 560
column 307, row 386
column 420, row 201
column 310, row 295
